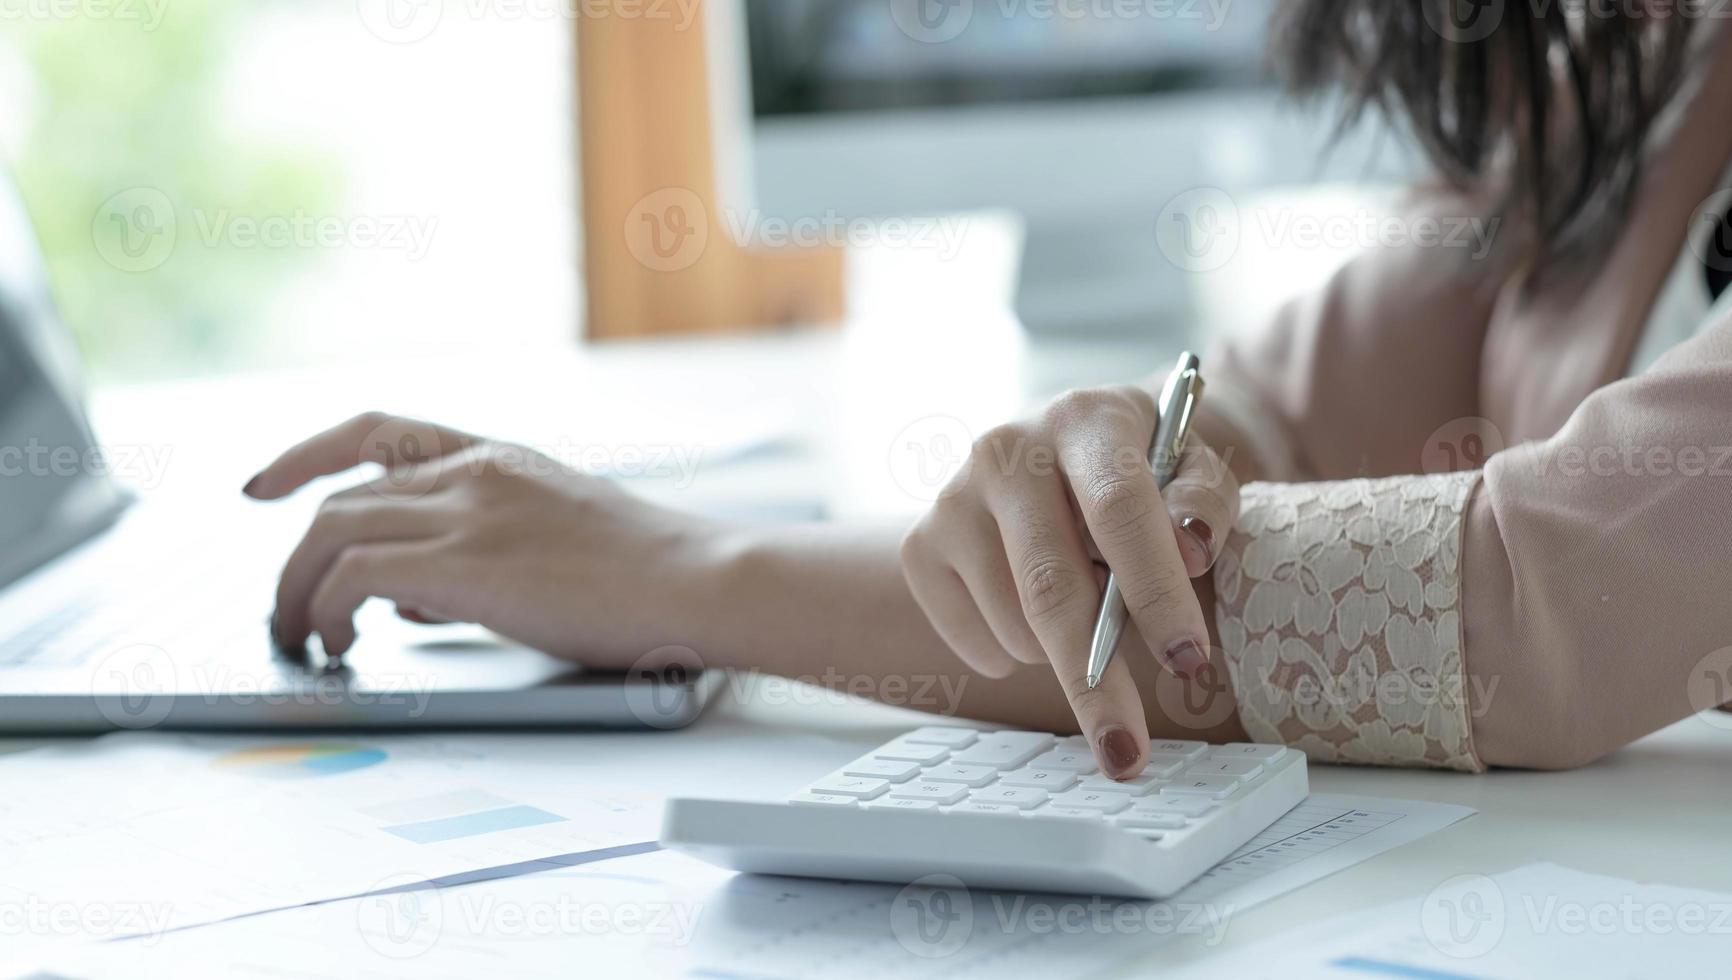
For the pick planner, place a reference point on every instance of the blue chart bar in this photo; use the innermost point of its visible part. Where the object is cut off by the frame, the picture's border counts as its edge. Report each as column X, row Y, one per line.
column 1387, row 969
column 473, row 824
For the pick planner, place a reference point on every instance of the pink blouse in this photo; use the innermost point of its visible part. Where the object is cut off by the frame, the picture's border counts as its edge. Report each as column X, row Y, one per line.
column 1478, row 543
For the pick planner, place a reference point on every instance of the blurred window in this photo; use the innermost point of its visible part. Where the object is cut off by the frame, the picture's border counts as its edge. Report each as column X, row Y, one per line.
column 236, row 183
column 838, row 55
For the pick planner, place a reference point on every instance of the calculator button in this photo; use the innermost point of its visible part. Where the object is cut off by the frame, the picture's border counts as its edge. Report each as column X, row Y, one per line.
column 889, row 804
column 900, row 751
column 1003, row 750
column 820, row 799
column 1164, row 766
column 1073, row 743
column 966, row 775
column 1084, row 800
column 986, row 809
column 1050, row 780
column 1149, row 821
column 950, row 738
column 1064, row 760
column 1243, row 768
column 1214, row 787
column 1179, row 747
column 1022, row 799
column 945, row 793
column 1065, row 813
column 1185, row 806
column 1136, row 786
column 888, row 769
column 1246, row 750
column 860, row 789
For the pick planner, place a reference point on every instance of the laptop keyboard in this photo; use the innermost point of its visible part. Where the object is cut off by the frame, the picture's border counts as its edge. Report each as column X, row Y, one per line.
column 115, row 607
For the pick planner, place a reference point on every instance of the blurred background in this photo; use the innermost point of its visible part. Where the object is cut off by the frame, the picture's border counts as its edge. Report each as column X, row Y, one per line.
column 226, row 184
column 815, row 244
column 353, row 178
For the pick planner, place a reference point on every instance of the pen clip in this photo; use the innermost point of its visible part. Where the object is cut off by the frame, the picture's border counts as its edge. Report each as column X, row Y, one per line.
column 1179, row 402
column 1192, row 383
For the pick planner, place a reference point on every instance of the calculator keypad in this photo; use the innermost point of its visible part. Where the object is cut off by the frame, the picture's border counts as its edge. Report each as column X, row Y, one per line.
column 1028, row 774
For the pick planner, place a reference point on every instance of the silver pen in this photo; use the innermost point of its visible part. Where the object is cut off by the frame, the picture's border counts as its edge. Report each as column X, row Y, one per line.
column 1179, row 400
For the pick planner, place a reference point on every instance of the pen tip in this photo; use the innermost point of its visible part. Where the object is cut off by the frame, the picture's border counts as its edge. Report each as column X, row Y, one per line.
column 1094, row 681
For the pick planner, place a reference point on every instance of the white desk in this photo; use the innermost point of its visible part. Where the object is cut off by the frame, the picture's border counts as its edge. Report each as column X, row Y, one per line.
column 1657, row 810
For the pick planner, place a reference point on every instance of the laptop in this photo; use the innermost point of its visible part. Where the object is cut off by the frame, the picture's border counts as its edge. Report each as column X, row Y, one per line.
column 125, row 613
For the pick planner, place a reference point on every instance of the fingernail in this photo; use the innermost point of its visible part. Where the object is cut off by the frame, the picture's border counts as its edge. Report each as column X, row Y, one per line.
column 252, row 487
column 1119, row 752
column 1186, row 658
column 1203, row 534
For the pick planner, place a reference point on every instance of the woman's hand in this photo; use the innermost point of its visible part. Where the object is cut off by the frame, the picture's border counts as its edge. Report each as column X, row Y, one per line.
column 465, row 529
column 1005, row 563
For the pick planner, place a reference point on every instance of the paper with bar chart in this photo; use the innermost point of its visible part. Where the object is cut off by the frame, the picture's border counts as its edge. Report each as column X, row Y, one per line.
column 663, row 913
column 173, row 835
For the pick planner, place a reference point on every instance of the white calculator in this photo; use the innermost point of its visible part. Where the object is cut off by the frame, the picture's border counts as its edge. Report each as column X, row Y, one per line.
column 1011, row 810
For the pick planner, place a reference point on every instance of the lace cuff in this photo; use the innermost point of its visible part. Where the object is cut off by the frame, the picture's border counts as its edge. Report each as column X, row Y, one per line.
column 1339, row 607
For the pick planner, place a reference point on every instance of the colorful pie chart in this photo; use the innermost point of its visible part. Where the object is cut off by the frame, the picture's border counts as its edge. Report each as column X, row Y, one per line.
column 307, row 760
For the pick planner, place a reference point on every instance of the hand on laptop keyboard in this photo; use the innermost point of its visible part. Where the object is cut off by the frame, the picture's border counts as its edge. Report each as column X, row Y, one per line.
column 465, row 529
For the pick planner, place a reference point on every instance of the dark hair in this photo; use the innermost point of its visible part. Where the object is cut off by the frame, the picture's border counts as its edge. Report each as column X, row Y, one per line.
column 1547, row 104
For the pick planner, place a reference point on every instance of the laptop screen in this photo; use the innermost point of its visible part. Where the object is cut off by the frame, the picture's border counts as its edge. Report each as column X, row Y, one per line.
column 52, row 490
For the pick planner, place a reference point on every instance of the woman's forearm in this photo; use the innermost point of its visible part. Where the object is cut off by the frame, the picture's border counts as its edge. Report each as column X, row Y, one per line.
column 828, row 604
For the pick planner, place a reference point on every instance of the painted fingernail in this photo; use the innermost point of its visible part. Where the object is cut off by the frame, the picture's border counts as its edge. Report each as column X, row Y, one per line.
column 1203, row 534
column 1119, row 752
column 252, row 487
column 1186, row 658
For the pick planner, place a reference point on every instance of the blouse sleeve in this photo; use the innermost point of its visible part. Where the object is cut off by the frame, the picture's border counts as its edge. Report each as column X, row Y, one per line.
column 1339, row 602
column 1339, row 612
column 1565, row 601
